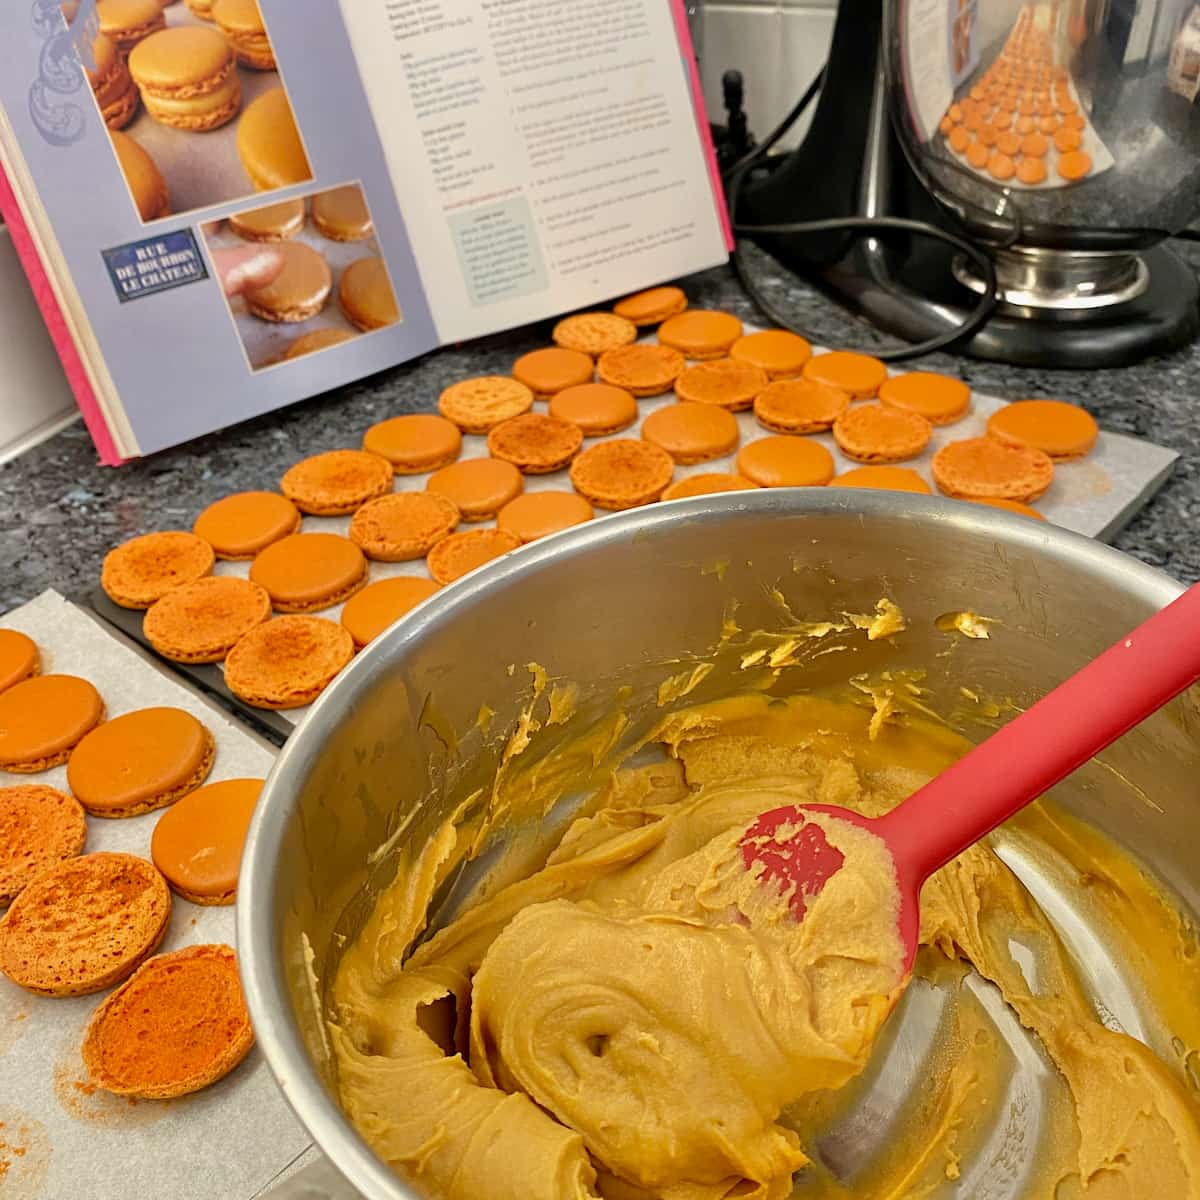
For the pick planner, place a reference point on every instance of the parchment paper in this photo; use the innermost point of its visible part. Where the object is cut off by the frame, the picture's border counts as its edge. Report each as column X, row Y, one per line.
column 57, row 1140
column 201, row 169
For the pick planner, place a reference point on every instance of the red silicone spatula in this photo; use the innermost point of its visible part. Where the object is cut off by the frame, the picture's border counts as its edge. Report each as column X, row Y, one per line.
column 998, row 777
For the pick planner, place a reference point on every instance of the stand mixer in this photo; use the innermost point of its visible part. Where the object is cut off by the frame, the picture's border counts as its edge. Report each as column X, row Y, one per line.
column 1060, row 138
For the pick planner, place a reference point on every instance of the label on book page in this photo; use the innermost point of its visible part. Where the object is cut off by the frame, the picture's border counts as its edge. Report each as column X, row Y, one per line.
column 154, row 264
column 547, row 156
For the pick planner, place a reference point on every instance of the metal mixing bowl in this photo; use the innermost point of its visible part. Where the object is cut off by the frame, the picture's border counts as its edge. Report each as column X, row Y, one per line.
column 628, row 599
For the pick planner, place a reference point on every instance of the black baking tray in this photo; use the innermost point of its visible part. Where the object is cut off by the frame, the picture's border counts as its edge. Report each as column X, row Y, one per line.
column 208, row 677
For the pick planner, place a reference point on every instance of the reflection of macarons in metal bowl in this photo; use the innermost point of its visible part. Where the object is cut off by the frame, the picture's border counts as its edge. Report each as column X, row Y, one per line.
column 145, row 181
column 298, row 292
column 241, row 22
column 269, row 145
column 187, row 77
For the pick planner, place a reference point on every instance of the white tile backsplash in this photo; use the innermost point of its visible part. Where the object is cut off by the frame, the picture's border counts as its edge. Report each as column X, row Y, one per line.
column 35, row 398
column 778, row 47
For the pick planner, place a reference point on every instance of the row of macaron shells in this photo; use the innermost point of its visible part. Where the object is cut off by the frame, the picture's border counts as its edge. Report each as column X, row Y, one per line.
column 135, row 763
column 286, row 662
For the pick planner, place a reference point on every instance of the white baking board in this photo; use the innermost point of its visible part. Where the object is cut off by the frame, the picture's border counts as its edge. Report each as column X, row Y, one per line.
column 201, row 169
column 1095, row 496
column 224, row 1143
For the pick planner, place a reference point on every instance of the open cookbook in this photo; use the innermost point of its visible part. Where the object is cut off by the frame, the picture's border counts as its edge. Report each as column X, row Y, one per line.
column 225, row 206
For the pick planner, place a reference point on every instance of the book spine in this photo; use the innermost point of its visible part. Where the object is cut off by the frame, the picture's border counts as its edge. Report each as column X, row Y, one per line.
column 684, row 34
column 56, row 323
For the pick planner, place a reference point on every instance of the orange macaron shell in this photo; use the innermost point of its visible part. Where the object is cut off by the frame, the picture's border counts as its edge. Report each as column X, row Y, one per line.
column 539, row 514
column 368, row 613
column 145, row 568
column 594, row 332
column 885, row 479
column 875, row 433
column 640, row 369
column 708, row 483
column 197, row 843
column 85, row 924
column 478, row 487
column 140, row 761
column 19, row 658
column 700, row 333
column 859, row 375
column 725, row 382
column 415, row 443
column 309, row 571
column 535, row 443
column 461, row 553
column 287, row 662
column 1063, row 431
column 39, row 828
column 779, row 352
column 337, row 482
column 402, row 526
column 799, row 406
column 651, row 306
column 622, row 473
column 940, row 399
column 692, row 433
column 784, row 461
column 547, row 372
column 237, row 527
column 201, row 621
column 596, row 408
column 988, row 469
column 476, row 405
column 178, row 1025
column 42, row 719
column 1012, row 506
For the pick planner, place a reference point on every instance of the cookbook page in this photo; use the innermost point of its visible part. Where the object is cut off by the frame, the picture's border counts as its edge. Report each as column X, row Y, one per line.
column 153, row 151
column 548, row 151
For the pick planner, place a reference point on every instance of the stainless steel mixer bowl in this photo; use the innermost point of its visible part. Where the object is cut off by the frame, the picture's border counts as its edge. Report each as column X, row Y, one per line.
column 395, row 743
column 1135, row 68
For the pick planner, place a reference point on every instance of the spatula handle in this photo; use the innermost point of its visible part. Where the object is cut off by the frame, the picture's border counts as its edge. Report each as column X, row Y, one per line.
column 1042, row 745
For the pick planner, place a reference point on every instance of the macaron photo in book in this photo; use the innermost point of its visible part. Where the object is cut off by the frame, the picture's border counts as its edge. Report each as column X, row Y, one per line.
column 193, row 100
column 328, row 284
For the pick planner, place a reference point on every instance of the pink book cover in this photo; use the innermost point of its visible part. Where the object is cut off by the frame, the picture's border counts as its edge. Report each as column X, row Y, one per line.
column 56, row 323
column 684, row 34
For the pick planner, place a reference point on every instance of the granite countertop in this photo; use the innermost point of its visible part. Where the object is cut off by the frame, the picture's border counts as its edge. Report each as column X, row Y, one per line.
column 60, row 512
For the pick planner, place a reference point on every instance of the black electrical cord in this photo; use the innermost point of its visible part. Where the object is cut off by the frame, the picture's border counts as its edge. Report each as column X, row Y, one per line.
column 735, row 176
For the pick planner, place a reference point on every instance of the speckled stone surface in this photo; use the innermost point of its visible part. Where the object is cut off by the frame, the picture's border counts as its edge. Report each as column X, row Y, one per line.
column 60, row 512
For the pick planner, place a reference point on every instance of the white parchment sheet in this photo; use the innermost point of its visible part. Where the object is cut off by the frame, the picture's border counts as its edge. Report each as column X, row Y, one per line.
column 60, row 1138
